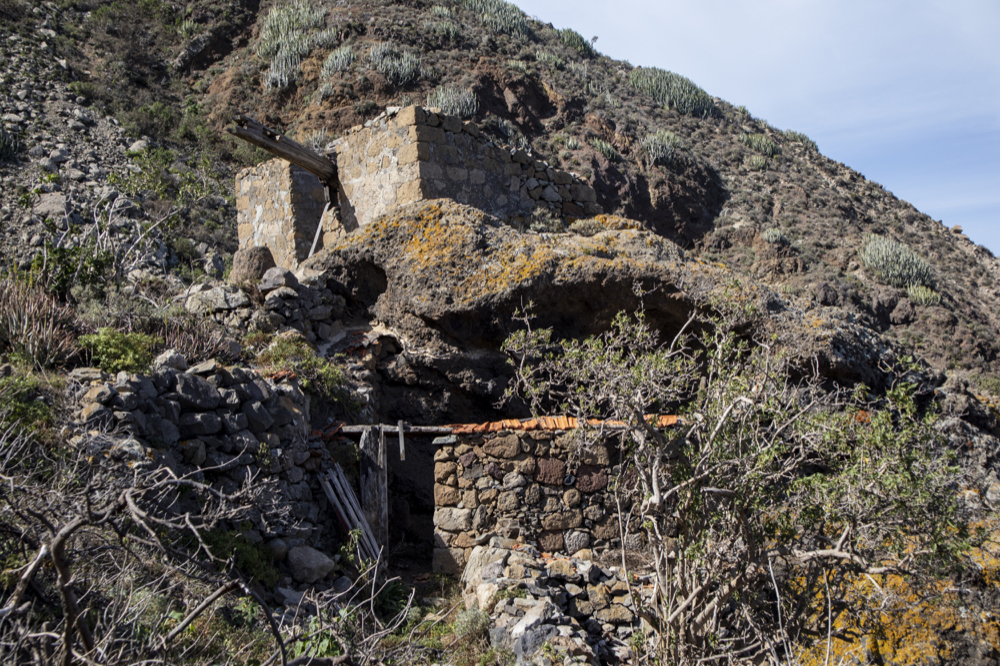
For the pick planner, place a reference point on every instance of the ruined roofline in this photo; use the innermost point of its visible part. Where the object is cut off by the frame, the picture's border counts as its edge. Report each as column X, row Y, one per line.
column 549, row 423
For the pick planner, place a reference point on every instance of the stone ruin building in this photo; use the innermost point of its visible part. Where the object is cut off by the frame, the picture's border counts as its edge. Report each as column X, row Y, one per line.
column 401, row 157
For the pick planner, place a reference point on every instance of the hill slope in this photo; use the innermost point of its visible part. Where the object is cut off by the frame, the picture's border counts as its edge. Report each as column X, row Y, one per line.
column 696, row 170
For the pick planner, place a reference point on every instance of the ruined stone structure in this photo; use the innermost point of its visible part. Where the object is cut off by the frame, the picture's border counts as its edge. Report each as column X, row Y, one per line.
column 401, row 157
column 523, row 485
column 278, row 205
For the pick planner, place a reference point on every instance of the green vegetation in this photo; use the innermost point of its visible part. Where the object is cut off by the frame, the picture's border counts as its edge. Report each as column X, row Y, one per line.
column 24, row 404
column 114, row 351
column 799, row 137
column 339, row 60
column 764, row 469
column 921, row 295
column 755, row 162
column 400, row 67
column 672, row 91
column 760, row 143
column 894, row 263
column 605, row 148
column 661, row 146
column 285, row 39
column 774, row 236
column 461, row 102
column 500, row 17
column 575, row 41
column 320, row 376
column 549, row 59
column 35, row 328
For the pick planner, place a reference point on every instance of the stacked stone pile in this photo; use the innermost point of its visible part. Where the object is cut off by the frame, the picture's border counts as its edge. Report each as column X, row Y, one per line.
column 533, row 486
column 307, row 307
column 553, row 609
column 228, row 423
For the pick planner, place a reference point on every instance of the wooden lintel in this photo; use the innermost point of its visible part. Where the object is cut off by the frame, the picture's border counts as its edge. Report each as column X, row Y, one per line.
column 409, row 429
column 287, row 149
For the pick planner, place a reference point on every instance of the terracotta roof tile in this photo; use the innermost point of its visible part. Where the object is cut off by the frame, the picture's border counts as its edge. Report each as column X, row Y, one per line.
column 549, row 423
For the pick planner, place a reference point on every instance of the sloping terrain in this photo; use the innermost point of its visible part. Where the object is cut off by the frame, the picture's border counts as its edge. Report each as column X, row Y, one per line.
column 709, row 176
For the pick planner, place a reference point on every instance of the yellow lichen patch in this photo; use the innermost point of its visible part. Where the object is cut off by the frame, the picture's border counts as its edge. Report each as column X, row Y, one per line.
column 903, row 621
column 618, row 223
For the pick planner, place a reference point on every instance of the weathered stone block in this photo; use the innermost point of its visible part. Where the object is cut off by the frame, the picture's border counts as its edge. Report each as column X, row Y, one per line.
column 442, row 470
column 414, row 152
column 503, row 447
column 410, row 115
column 590, row 479
column 426, row 133
column 551, row 471
column 445, row 495
column 563, row 520
column 452, row 520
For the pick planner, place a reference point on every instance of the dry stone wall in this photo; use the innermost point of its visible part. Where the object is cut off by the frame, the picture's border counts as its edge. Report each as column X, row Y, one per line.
column 524, row 485
column 278, row 205
column 226, row 426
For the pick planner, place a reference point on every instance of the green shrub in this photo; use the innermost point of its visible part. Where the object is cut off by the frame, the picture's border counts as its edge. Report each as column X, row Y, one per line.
column 22, row 404
column 895, row 264
column 544, row 222
column 575, row 40
column 35, row 327
column 760, row 143
column 550, row 59
column 755, row 162
column 500, row 17
column 605, row 148
column 799, row 137
column 672, row 91
column 461, row 102
column 442, row 11
column 471, row 624
column 445, row 29
column 774, row 236
column 339, row 60
column 10, row 145
column 114, row 351
column 921, row 295
column 400, row 67
column 660, row 146
column 320, row 376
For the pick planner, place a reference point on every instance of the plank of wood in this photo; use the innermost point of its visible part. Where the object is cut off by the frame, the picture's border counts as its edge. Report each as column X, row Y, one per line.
column 354, row 511
column 373, row 488
column 338, row 509
column 287, row 149
column 402, row 441
column 411, row 429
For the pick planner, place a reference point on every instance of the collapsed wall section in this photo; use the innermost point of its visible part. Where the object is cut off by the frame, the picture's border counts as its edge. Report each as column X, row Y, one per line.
column 528, row 486
column 412, row 154
column 278, row 206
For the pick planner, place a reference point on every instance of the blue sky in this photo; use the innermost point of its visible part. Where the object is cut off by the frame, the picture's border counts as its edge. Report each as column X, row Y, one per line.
column 907, row 93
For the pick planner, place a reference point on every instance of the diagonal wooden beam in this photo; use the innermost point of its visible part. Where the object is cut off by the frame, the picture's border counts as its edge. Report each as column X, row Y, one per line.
column 277, row 144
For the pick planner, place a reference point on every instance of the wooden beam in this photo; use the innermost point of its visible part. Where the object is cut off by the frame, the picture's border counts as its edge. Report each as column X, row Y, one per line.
column 287, row 149
column 374, row 493
column 411, row 429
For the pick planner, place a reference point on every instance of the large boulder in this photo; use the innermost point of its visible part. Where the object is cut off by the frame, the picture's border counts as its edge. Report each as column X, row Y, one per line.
column 309, row 565
column 250, row 264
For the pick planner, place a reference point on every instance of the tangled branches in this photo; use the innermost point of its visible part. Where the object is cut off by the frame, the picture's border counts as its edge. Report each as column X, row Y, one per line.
column 771, row 497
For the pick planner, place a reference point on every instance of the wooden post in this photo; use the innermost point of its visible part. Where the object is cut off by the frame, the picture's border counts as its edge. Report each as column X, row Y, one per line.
column 402, row 442
column 374, row 500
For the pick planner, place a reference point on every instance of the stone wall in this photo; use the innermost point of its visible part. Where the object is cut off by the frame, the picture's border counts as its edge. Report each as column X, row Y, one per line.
column 225, row 425
column 525, row 485
column 278, row 205
column 412, row 154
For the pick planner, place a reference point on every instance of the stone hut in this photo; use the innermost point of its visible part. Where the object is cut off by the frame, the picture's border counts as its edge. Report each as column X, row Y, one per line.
column 403, row 156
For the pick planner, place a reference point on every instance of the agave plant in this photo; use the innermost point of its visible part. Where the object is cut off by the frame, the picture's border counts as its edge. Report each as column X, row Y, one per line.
column 672, row 91
column 895, row 264
column 34, row 325
column 461, row 102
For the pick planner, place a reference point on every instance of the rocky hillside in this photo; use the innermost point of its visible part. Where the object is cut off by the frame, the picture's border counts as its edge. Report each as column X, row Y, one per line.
column 83, row 81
